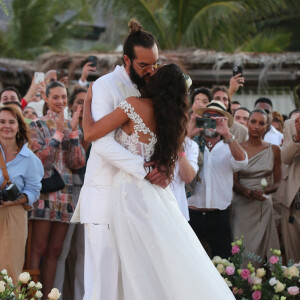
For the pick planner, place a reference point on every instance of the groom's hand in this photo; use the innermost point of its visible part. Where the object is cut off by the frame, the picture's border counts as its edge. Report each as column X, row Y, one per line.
column 157, row 177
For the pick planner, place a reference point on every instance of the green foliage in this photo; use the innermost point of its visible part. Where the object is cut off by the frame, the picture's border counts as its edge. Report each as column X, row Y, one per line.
column 40, row 25
column 4, row 7
column 241, row 25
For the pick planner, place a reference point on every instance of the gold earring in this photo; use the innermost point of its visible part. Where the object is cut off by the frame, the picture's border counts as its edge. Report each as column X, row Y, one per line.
column 18, row 135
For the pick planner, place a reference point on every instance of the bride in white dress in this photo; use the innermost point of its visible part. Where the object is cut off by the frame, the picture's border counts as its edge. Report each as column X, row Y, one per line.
column 161, row 257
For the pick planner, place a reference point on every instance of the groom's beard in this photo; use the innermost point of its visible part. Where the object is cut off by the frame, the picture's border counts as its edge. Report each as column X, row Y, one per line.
column 136, row 79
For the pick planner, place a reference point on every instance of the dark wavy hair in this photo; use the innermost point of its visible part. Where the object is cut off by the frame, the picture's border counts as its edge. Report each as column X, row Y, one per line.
column 23, row 135
column 168, row 90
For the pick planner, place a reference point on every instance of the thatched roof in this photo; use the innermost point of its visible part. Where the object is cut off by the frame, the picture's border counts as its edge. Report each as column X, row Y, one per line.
column 205, row 67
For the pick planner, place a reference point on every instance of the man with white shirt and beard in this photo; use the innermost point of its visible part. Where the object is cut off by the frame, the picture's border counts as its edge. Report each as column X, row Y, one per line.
column 102, row 262
column 208, row 206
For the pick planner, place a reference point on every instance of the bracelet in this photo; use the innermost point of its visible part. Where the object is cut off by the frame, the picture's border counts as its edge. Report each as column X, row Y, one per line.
column 229, row 141
column 181, row 154
column 294, row 140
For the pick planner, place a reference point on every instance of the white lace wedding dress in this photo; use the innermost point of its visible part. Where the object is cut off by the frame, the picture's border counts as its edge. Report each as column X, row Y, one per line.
column 161, row 257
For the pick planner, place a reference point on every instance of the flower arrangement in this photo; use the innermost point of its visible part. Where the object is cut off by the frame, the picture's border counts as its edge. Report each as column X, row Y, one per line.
column 274, row 282
column 25, row 289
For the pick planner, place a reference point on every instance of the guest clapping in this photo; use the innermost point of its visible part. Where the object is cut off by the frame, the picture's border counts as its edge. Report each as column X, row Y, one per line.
column 57, row 143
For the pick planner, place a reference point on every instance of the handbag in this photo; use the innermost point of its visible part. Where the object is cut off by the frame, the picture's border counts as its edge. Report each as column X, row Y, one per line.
column 53, row 183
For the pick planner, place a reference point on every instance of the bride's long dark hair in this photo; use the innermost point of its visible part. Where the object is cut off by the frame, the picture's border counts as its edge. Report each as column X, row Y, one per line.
column 168, row 90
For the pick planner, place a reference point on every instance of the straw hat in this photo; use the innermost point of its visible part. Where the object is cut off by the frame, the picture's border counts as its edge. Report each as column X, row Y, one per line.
column 216, row 106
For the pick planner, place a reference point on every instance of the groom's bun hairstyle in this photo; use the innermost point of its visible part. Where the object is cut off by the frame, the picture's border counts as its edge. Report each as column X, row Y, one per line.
column 137, row 37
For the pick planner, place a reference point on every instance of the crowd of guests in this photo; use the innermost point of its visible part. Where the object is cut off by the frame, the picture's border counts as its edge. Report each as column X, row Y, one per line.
column 218, row 179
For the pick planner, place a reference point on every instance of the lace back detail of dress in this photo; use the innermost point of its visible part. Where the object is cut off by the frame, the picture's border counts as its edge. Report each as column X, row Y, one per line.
column 131, row 142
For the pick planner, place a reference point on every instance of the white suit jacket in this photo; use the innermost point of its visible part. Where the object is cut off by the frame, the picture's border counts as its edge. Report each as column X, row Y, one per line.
column 107, row 156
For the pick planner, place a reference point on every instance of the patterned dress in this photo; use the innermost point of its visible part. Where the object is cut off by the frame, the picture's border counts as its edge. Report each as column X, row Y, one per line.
column 62, row 151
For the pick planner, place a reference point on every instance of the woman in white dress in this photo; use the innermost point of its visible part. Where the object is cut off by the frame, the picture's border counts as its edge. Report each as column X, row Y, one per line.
column 161, row 257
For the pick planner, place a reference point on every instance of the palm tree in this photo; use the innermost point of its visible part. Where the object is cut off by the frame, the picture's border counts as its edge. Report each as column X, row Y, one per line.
column 209, row 24
column 38, row 25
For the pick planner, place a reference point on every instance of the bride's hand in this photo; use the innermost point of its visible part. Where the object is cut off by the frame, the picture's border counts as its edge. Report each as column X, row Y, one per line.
column 157, row 177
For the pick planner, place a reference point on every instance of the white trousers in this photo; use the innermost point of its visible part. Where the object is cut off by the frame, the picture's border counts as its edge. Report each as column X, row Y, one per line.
column 102, row 272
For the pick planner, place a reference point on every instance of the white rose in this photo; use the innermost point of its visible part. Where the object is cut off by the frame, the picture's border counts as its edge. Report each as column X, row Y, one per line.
column 272, row 281
column 220, row 268
column 38, row 294
column 2, row 286
column 54, row 294
column 279, row 287
column 217, row 260
column 5, row 277
column 264, row 183
column 261, row 272
column 9, row 280
column 4, row 272
column 38, row 286
column 256, row 280
column 31, row 284
column 293, row 271
column 228, row 282
column 24, row 277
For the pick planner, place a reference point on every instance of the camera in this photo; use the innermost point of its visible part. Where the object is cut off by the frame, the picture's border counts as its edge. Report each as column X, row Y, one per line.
column 11, row 193
column 205, row 123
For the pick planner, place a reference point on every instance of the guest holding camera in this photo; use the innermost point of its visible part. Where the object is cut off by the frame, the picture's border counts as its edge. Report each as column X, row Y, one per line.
column 20, row 179
column 57, row 142
column 209, row 205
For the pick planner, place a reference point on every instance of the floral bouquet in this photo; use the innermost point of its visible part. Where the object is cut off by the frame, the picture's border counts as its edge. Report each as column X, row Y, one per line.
column 275, row 282
column 25, row 289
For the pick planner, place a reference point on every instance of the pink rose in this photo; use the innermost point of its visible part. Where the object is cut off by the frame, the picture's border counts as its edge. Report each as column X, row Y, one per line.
column 256, row 295
column 229, row 270
column 274, row 259
column 293, row 290
column 245, row 274
column 235, row 249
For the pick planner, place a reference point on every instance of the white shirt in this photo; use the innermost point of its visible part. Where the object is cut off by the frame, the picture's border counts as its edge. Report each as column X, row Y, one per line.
column 273, row 136
column 107, row 156
column 177, row 185
column 215, row 188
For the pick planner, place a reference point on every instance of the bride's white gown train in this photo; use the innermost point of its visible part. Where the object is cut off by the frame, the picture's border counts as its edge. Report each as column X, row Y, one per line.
column 161, row 257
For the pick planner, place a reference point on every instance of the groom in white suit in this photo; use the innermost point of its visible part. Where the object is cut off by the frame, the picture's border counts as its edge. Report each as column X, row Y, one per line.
column 102, row 264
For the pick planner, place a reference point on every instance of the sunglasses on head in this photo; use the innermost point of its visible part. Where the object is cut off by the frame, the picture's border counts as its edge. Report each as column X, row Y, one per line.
column 266, row 111
column 209, row 115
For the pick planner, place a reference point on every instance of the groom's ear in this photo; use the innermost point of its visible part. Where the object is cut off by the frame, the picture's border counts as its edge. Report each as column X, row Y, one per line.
column 127, row 60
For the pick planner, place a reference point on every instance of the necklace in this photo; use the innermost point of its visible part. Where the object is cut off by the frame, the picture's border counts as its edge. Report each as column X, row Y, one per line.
column 209, row 145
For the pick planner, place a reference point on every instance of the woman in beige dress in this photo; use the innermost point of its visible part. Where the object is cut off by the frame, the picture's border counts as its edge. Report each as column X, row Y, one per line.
column 252, row 211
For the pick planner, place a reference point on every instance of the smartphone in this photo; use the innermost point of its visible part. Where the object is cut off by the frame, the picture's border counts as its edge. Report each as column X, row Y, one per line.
column 93, row 60
column 237, row 70
column 39, row 77
column 205, row 123
column 60, row 73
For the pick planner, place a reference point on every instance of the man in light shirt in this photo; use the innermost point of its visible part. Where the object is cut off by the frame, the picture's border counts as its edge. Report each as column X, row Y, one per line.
column 272, row 136
column 223, row 155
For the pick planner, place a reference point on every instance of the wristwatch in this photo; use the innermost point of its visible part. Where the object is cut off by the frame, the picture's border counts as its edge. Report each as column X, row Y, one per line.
column 229, row 141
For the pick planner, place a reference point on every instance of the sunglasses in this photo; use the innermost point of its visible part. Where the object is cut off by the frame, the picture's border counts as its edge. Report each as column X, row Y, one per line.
column 209, row 115
column 148, row 67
